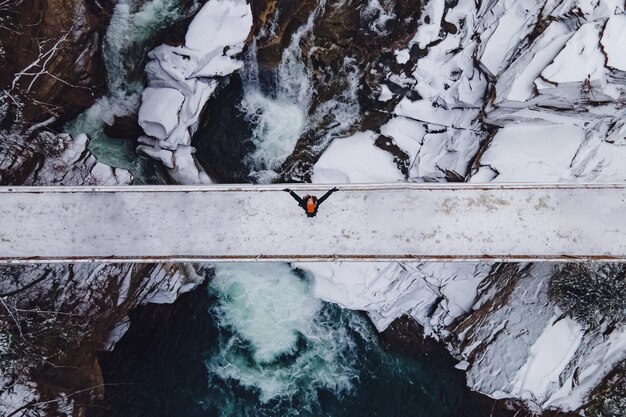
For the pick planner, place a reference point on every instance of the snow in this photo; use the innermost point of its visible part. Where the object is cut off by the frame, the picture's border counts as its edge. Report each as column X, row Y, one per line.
column 424, row 110
column 385, row 93
column 16, row 394
column 368, row 164
column 558, row 115
column 397, row 221
column 159, row 116
column 543, row 153
column 386, row 291
column 219, row 23
column 548, row 357
column 581, row 58
column 613, row 41
column 507, row 35
column 402, row 56
column 183, row 78
column 407, row 134
column 76, row 165
column 546, row 48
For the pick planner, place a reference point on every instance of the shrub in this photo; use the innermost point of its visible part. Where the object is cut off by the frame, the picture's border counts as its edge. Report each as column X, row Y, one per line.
column 591, row 293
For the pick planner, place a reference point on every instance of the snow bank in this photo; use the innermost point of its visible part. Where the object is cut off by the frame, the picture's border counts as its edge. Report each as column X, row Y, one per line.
column 581, row 58
column 504, row 40
column 75, row 164
column 182, row 79
column 16, row 394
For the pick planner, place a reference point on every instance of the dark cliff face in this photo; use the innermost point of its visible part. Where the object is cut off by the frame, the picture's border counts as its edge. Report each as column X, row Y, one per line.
column 52, row 66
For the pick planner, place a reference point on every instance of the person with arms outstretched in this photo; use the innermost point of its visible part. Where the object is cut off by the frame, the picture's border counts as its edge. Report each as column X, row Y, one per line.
column 309, row 203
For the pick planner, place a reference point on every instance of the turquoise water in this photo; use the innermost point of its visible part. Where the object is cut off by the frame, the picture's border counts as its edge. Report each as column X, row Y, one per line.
column 256, row 343
column 129, row 37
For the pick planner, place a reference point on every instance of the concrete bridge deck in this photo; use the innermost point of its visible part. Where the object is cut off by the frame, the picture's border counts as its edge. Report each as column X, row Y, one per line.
column 432, row 222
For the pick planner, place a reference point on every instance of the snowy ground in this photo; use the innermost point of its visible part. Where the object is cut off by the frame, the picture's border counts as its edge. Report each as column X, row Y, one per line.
column 397, row 221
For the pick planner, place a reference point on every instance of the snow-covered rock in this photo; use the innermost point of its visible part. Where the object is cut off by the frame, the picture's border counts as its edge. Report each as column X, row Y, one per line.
column 159, row 115
column 75, row 165
column 366, row 164
column 613, row 41
column 540, row 97
column 182, row 78
column 544, row 152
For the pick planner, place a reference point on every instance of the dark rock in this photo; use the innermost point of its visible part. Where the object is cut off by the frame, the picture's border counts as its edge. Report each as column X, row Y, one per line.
column 62, row 39
column 17, row 161
column 222, row 137
column 400, row 158
column 406, row 337
column 413, row 95
column 449, row 27
column 293, row 14
column 149, row 351
column 124, row 127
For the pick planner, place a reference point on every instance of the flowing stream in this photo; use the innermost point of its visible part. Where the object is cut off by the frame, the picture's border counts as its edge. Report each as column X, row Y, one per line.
column 279, row 109
column 256, row 343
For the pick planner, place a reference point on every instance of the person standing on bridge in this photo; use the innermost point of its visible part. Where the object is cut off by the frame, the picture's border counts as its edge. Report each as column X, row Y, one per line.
column 310, row 203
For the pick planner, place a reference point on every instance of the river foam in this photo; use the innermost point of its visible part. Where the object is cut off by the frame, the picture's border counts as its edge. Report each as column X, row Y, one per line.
column 277, row 340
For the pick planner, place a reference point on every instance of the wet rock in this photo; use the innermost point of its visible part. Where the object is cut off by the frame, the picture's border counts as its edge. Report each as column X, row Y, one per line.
column 274, row 29
column 406, row 337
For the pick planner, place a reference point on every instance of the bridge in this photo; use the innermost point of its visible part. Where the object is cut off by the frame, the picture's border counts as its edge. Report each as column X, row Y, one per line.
column 394, row 222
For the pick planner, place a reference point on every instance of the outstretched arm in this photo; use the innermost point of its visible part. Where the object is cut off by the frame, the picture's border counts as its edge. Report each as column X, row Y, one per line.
column 325, row 196
column 294, row 195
